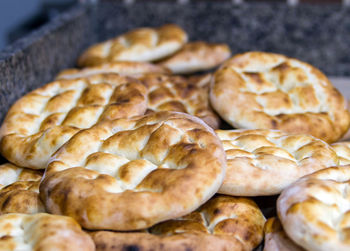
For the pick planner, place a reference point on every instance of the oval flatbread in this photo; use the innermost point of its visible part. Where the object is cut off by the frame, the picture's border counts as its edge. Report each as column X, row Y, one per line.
column 314, row 211
column 196, row 56
column 122, row 68
column 270, row 91
column 42, row 232
column 142, row 44
column 223, row 223
column 50, row 115
column 129, row 174
column 264, row 162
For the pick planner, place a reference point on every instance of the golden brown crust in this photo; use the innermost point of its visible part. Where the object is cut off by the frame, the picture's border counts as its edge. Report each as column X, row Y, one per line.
column 314, row 211
column 343, row 151
column 223, row 223
column 271, row 159
column 10, row 173
column 270, row 91
column 42, row 232
column 19, row 190
column 123, row 68
column 170, row 163
column 179, row 94
column 346, row 136
column 142, row 44
column 50, row 115
column 108, row 241
column 21, row 197
column 196, row 56
column 276, row 239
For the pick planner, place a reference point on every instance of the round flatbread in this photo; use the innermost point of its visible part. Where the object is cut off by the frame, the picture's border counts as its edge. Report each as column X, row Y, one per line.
column 130, row 174
column 50, row 115
column 42, row 232
column 179, row 94
column 223, row 223
column 270, row 91
column 122, row 68
column 276, row 239
column 19, row 190
column 264, row 162
column 314, row 211
column 196, row 56
column 142, row 44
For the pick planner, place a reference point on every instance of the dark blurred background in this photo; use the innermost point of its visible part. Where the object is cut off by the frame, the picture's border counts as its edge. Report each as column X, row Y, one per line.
column 18, row 17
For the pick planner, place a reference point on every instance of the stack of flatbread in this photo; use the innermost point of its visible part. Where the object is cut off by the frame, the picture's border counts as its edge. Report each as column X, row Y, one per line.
column 130, row 152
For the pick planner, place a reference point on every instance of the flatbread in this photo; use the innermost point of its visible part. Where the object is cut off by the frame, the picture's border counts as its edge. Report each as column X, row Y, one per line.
column 314, row 211
column 52, row 114
column 223, row 223
column 270, row 91
column 130, row 174
column 276, row 239
column 123, row 68
column 264, row 162
column 42, row 232
column 19, row 190
column 196, row 56
column 141, row 45
column 179, row 94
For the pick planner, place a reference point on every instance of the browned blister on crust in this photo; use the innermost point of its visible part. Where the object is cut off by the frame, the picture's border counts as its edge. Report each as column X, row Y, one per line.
column 223, row 223
column 270, row 91
column 264, row 162
column 196, row 56
column 314, row 211
column 124, row 68
column 10, row 173
column 44, row 119
column 276, row 239
column 343, row 151
column 179, row 94
column 130, row 174
column 142, row 44
column 19, row 190
column 21, row 197
column 42, row 232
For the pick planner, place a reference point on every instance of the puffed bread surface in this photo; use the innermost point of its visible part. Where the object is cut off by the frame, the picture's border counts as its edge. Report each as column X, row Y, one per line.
column 50, row 115
column 19, row 190
column 270, row 91
column 180, row 94
column 10, row 173
column 42, row 232
column 123, row 68
column 264, row 162
column 196, row 56
column 276, row 239
column 223, row 223
column 170, row 163
column 142, row 44
column 314, row 211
